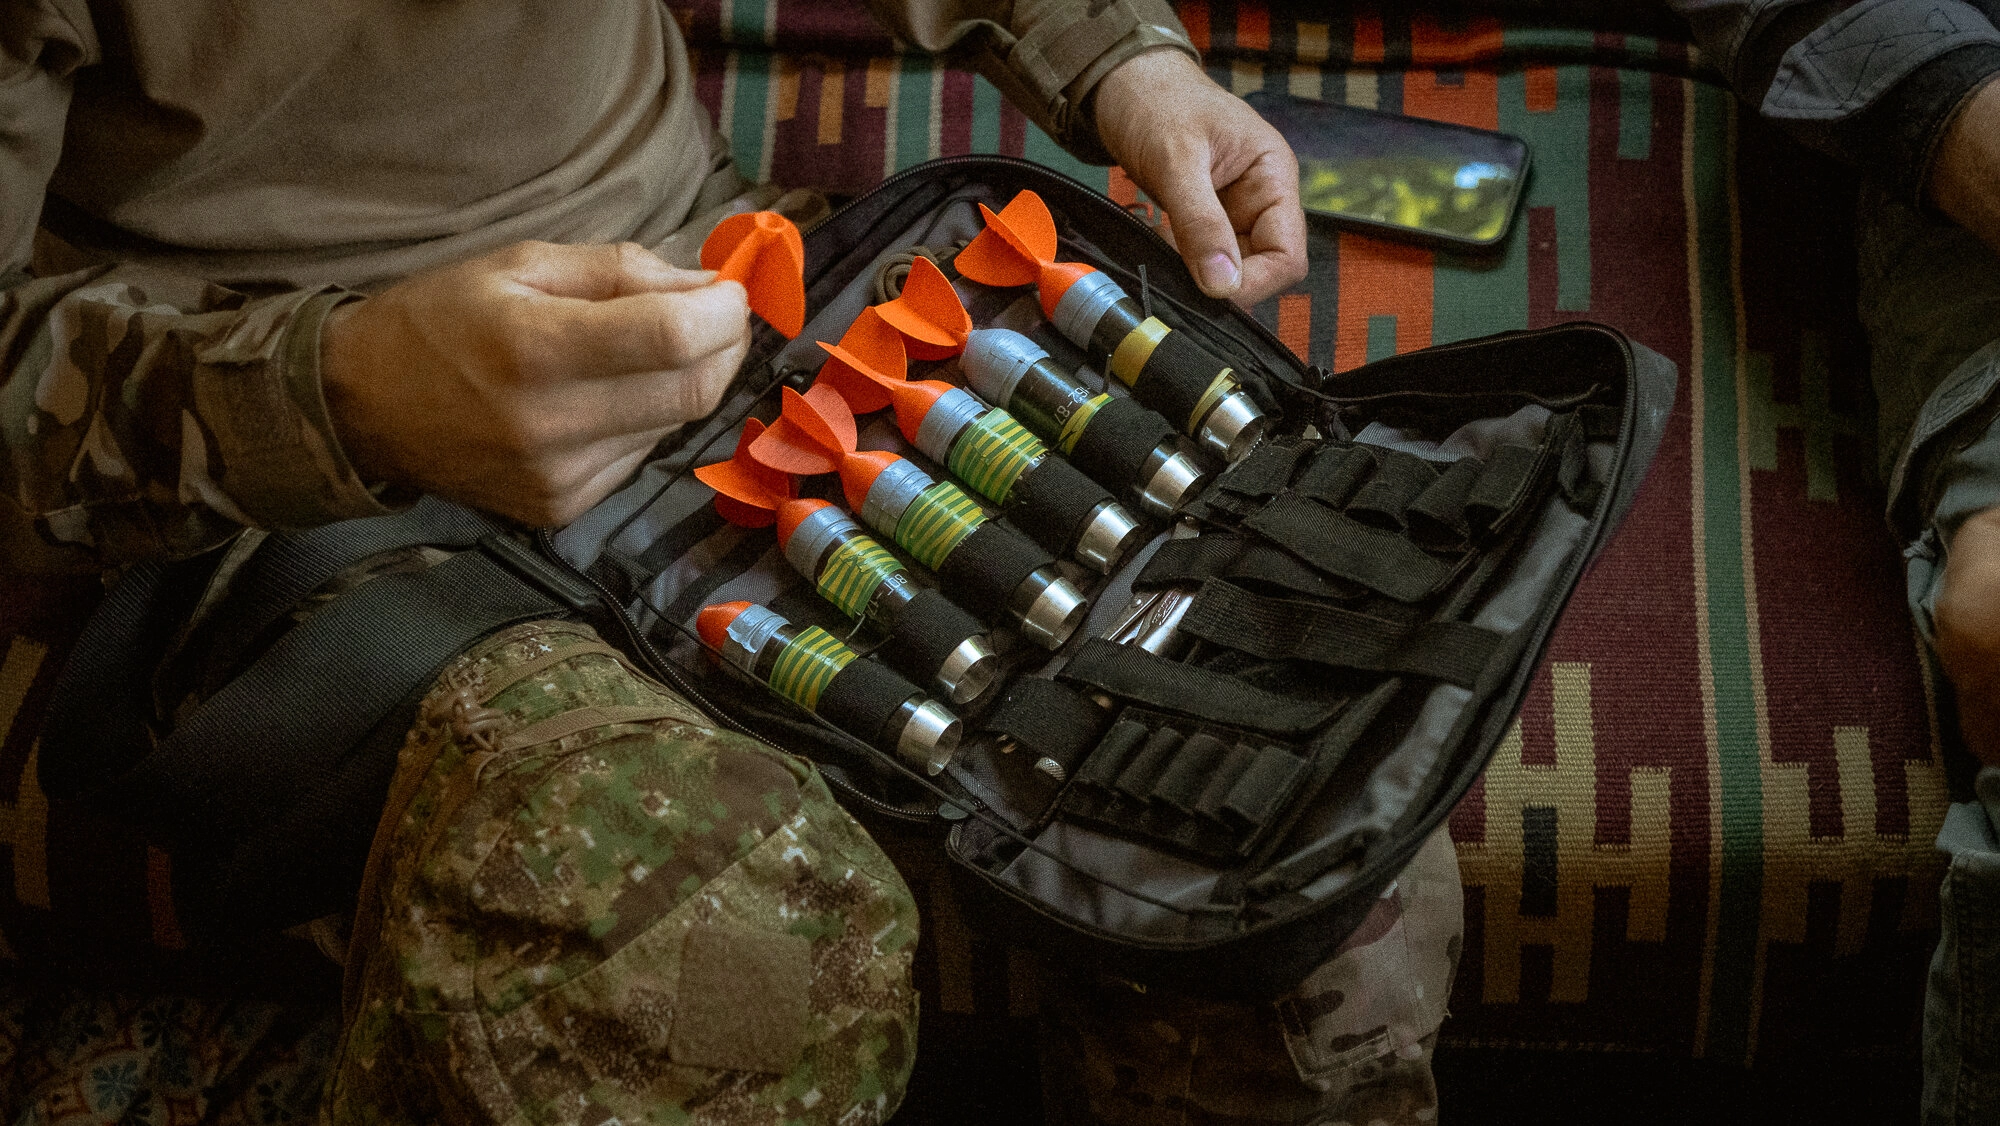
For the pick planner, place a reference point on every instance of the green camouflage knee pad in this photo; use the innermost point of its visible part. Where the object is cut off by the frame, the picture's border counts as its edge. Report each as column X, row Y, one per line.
column 585, row 906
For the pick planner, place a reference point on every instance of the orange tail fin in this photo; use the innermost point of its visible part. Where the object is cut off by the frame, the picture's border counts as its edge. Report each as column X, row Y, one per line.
column 929, row 313
column 763, row 251
column 1018, row 247
column 746, row 493
column 813, row 434
column 868, row 359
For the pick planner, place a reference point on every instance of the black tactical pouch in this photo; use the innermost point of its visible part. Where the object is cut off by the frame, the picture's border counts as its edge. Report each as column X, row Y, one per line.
column 1269, row 709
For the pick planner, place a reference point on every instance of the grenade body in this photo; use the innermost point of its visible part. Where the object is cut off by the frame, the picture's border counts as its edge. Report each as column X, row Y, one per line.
column 1001, row 460
column 815, row 670
column 995, row 569
column 929, row 638
column 1168, row 371
column 1117, row 442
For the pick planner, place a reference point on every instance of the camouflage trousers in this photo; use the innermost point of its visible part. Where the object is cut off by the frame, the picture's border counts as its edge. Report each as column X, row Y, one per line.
column 1350, row 1046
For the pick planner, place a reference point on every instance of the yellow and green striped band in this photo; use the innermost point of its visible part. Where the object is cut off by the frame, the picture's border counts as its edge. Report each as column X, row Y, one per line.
column 993, row 453
column 1079, row 422
column 806, row 666
column 937, row 521
column 1137, row 347
column 854, row 571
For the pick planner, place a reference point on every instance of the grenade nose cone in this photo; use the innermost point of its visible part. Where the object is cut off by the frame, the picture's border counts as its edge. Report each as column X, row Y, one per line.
column 713, row 622
column 792, row 513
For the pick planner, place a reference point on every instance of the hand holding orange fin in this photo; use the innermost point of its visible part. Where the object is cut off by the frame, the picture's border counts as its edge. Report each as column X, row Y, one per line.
column 747, row 494
column 1018, row 247
column 929, row 313
column 868, row 358
column 762, row 251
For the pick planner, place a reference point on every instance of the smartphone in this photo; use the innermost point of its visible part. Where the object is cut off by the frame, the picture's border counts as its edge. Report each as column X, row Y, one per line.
column 1442, row 185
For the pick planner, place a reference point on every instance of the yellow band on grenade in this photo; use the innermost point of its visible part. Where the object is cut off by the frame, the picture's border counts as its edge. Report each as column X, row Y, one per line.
column 1137, row 348
column 1078, row 422
column 1217, row 391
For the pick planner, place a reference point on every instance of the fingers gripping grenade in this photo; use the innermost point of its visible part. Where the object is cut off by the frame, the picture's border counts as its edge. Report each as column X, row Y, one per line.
column 930, row 638
column 811, row 668
column 987, row 449
column 992, row 567
column 1112, row 440
column 1166, row 370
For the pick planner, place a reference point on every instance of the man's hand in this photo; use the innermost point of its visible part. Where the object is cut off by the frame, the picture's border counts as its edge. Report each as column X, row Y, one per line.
column 1228, row 181
column 533, row 381
column 1968, row 630
column 1965, row 173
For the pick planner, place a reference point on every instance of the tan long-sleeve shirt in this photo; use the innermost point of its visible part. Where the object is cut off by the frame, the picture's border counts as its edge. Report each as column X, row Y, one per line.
column 209, row 177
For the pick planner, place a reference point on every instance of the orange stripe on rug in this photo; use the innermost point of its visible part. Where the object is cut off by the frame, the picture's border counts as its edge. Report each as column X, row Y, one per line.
column 1380, row 279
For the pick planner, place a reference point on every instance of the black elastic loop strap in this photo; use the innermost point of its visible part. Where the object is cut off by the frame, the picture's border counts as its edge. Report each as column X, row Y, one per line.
column 1181, row 783
column 1048, row 719
column 862, row 698
column 1143, row 771
column 986, row 567
column 1186, row 562
column 1170, row 686
column 1260, row 793
column 1399, row 479
column 1053, row 502
column 1101, row 769
column 1438, row 514
column 1191, row 560
column 1502, row 487
column 1295, row 629
column 1266, row 472
column 1115, row 443
column 1346, row 548
column 1223, row 779
column 1336, row 472
column 1177, row 375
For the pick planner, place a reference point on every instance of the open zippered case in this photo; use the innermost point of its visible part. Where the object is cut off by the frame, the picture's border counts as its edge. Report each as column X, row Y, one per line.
column 1336, row 632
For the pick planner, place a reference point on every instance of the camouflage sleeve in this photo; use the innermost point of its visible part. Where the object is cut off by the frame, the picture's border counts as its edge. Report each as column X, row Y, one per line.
column 1046, row 56
column 142, row 414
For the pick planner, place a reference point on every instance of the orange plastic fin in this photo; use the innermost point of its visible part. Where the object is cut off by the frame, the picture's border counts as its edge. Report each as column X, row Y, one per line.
column 746, row 493
column 813, row 432
column 929, row 313
column 996, row 256
column 1027, row 218
column 763, row 251
column 868, row 355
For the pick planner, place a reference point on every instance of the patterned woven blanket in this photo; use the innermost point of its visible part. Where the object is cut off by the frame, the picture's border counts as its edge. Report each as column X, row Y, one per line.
column 1709, row 834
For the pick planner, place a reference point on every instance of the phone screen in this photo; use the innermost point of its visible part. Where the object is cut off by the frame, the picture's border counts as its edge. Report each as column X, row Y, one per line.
column 1436, row 182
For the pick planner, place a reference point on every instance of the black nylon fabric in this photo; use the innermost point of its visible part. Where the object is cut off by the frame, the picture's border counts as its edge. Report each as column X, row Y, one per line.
column 1048, row 719
column 925, row 632
column 1176, row 376
column 863, row 698
column 1345, row 548
column 1135, row 674
column 1114, row 445
column 986, row 567
column 1053, row 502
column 1298, row 629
